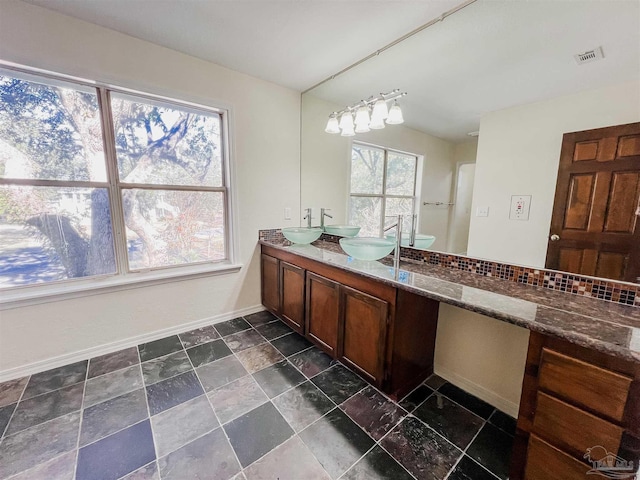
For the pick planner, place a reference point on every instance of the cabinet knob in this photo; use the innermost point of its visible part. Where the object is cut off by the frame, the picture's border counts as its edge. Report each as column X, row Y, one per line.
column 555, row 238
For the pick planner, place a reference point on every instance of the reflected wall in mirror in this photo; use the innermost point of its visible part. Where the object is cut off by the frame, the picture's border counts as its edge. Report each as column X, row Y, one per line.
column 505, row 69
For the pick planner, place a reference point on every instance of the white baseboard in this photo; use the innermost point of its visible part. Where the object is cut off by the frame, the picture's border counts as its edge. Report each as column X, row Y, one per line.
column 501, row 403
column 67, row 358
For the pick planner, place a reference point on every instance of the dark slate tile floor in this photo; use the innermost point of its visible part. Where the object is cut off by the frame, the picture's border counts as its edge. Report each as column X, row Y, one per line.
column 245, row 399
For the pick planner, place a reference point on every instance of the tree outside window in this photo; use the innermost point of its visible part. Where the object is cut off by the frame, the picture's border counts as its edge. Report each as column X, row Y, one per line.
column 95, row 182
column 383, row 184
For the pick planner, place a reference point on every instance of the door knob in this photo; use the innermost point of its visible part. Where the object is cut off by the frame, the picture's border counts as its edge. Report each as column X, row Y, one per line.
column 555, row 238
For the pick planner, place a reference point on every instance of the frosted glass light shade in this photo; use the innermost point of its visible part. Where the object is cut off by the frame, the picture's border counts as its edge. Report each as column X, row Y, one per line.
column 348, row 132
column 362, row 128
column 377, row 123
column 395, row 115
column 346, row 121
column 380, row 110
column 332, row 125
column 362, row 117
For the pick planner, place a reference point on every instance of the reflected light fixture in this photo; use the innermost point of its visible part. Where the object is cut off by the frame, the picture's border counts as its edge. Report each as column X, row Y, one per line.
column 370, row 114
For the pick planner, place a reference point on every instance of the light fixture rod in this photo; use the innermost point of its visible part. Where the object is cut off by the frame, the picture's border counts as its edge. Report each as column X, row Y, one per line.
column 395, row 42
column 392, row 95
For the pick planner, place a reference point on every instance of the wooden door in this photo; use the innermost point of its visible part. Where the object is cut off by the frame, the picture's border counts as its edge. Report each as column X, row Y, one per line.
column 322, row 312
column 270, row 283
column 594, row 227
column 292, row 296
column 363, row 332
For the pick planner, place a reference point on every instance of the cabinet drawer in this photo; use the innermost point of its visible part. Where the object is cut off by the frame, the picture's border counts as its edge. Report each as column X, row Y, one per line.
column 545, row 462
column 580, row 383
column 572, row 429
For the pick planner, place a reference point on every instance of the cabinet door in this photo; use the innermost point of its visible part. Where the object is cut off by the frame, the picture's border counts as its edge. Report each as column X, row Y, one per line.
column 364, row 333
column 323, row 309
column 292, row 295
column 270, row 283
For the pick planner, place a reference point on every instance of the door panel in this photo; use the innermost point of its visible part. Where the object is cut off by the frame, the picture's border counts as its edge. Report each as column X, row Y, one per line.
column 579, row 202
column 323, row 310
column 364, row 333
column 292, row 295
column 594, row 226
column 623, row 200
column 270, row 283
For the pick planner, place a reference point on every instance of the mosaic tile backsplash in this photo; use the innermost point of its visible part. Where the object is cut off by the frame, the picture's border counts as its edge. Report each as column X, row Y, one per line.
column 603, row 289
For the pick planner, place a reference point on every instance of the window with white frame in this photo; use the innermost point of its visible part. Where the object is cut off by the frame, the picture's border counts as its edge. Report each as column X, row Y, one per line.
column 94, row 182
column 382, row 184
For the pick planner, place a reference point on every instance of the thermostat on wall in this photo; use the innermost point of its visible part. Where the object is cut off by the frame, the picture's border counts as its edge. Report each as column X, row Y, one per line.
column 520, row 205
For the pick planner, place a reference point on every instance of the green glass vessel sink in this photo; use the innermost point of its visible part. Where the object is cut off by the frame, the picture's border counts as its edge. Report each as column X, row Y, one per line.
column 422, row 242
column 342, row 230
column 302, row 234
column 367, row 248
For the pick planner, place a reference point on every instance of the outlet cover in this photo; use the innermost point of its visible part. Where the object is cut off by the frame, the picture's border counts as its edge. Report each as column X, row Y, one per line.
column 482, row 212
column 520, row 205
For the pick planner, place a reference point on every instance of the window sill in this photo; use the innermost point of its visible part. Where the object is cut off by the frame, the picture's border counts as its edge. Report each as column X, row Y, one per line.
column 35, row 295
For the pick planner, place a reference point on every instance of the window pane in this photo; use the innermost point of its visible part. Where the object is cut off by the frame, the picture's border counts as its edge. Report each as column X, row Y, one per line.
column 169, row 227
column 166, row 145
column 49, row 132
column 365, row 212
column 54, row 233
column 399, row 206
column 401, row 174
column 367, row 168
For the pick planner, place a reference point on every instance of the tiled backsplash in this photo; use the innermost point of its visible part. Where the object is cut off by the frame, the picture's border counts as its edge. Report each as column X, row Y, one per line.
column 603, row 289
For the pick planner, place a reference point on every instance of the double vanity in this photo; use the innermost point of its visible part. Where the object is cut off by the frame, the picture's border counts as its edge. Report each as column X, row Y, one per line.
column 581, row 385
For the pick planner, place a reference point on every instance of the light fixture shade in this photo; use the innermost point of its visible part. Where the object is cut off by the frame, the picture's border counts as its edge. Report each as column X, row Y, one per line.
column 362, row 117
column 346, row 121
column 348, row 132
column 332, row 125
column 395, row 115
column 377, row 123
column 362, row 128
column 380, row 110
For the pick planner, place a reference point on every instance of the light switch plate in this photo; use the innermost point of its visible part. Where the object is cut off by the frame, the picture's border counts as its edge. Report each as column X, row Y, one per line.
column 520, row 206
column 482, row 212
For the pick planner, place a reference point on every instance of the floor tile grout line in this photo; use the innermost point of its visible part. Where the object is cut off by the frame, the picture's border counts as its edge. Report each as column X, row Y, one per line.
column 14, row 475
column 84, row 389
column 235, row 455
column 6, row 428
column 438, row 392
column 146, row 400
column 22, row 399
column 143, row 466
column 464, row 452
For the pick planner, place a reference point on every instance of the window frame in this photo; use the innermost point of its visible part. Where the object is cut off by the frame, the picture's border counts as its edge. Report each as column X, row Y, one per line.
column 124, row 277
column 384, row 196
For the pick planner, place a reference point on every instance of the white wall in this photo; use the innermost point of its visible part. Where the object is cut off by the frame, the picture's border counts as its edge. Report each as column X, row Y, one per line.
column 325, row 166
column 482, row 355
column 264, row 124
column 464, row 156
column 518, row 154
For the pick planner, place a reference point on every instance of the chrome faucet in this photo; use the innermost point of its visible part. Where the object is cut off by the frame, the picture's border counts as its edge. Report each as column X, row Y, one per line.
column 307, row 217
column 396, row 253
column 412, row 238
column 323, row 213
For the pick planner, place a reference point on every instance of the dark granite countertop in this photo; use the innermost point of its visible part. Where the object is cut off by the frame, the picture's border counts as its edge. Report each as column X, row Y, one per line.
column 608, row 327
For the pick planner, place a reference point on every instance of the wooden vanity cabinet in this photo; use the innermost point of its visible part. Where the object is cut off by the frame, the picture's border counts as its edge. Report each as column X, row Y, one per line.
column 323, row 312
column 385, row 334
column 292, row 284
column 574, row 400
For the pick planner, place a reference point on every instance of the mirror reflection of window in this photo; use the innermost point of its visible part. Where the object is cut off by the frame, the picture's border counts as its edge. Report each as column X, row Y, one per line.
column 382, row 184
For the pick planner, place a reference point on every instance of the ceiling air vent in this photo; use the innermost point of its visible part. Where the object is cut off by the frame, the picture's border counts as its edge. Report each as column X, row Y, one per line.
column 590, row 56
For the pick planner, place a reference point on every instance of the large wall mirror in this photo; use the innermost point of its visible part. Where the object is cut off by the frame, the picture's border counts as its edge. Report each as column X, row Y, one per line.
column 506, row 72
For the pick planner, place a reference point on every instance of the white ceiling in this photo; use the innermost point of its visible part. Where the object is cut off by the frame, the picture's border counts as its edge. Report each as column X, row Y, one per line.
column 496, row 54
column 295, row 43
column 491, row 55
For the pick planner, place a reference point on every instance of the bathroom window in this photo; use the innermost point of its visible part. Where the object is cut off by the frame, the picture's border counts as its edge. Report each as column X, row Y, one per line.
column 95, row 182
column 382, row 184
